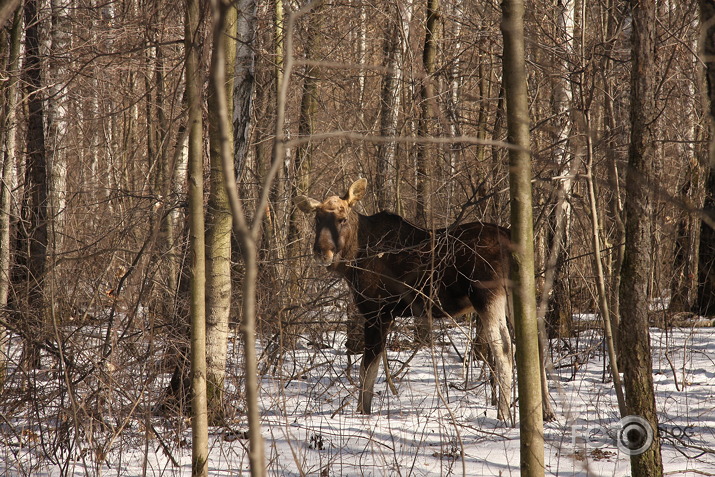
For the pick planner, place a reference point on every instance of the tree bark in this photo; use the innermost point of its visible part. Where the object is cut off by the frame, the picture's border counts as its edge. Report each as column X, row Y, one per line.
column 199, row 415
column 243, row 81
column 9, row 112
column 706, row 268
column 218, row 233
column 248, row 234
column 57, row 123
column 32, row 253
column 558, row 316
column 303, row 154
column 387, row 174
column 423, row 328
column 637, row 262
column 7, row 9
column 522, row 230
column 615, row 205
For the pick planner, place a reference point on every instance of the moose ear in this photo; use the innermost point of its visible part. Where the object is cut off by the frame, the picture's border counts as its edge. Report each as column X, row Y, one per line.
column 306, row 204
column 356, row 191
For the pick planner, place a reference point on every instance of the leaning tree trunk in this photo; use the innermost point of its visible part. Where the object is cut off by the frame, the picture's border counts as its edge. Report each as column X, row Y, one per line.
column 522, row 234
column 637, row 262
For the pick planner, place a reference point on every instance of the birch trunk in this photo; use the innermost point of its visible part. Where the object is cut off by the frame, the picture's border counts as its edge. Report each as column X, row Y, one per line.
column 558, row 319
column 387, row 172
column 9, row 112
column 218, row 234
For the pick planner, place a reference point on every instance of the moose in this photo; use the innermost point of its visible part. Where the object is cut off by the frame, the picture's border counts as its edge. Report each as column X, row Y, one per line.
column 397, row 269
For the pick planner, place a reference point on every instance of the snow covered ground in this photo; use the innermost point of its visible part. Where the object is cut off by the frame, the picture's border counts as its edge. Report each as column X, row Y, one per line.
column 439, row 423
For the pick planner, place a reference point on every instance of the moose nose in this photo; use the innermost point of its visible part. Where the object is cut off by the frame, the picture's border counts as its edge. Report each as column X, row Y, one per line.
column 324, row 247
column 324, row 257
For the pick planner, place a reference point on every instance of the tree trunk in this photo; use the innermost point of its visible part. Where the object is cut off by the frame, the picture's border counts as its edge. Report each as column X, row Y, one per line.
column 522, row 230
column 218, row 234
column 706, row 268
column 248, row 236
column 7, row 9
column 558, row 316
column 608, row 335
column 199, row 416
column 684, row 285
column 386, row 175
column 32, row 253
column 615, row 205
column 243, row 81
column 423, row 328
column 57, row 124
column 455, row 11
column 9, row 116
column 308, row 107
column 637, row 262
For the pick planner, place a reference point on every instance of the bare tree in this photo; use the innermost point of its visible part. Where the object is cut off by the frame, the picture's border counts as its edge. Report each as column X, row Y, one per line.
column 706, row 291
column 247, row 232
column 301, row 166
column 9, row 118
column 218, row 235
column 32, row 253
column 522, row 229
column 199, row 414
column 567, row 157
column 387, row 173
column 637, row 263
column 428, row 98
column 57, row 121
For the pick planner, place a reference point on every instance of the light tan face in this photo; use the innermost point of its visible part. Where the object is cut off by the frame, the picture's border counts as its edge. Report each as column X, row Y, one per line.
column 331, row 218
column 332, row 221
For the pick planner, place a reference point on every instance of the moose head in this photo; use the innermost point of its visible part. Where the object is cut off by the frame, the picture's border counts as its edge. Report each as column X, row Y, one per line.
column 335, row 224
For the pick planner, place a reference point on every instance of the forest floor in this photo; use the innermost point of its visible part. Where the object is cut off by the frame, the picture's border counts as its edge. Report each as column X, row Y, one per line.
column 440, row 422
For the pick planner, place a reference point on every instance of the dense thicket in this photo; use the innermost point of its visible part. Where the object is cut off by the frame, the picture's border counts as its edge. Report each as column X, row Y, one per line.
column 94, row 164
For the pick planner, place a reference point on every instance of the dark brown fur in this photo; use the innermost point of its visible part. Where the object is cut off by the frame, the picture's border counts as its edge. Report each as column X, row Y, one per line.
column 396, row 269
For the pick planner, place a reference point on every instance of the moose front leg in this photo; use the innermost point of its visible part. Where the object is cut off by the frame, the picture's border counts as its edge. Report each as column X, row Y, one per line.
column 376, row 327
column 497, row 335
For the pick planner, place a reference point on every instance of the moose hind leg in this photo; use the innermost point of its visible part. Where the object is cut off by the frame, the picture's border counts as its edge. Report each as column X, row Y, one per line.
column 375, row 337
column 496, row 334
